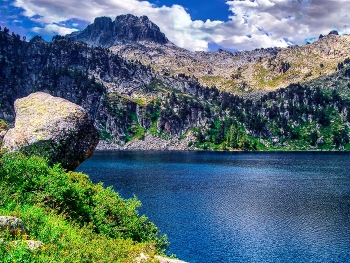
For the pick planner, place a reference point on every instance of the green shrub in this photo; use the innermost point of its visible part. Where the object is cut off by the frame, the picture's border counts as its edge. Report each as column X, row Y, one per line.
column 53, row 203
column 64, row 241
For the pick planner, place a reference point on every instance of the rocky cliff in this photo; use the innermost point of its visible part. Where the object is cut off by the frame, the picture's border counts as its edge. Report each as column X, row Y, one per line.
column 124, row 98
column 124, row 29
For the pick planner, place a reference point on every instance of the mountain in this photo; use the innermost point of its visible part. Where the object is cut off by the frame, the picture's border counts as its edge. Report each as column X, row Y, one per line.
column 243, row 73
column 141, row 105
column 246, row 72
column 124, row 29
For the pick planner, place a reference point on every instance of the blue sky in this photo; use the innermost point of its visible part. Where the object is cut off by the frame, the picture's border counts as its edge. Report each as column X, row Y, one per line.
column 200, row 10
column 194, row 25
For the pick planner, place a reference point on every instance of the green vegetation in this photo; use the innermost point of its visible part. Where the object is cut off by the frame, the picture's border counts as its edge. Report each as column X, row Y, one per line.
column 295, row 118
column 77, row 221
column 104, row 135
column 155, row 85
column 138, row 133
column 3, row 125
column 298, row 117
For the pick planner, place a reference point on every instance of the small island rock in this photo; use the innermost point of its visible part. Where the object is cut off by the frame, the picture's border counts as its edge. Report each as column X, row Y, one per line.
column 54, row 128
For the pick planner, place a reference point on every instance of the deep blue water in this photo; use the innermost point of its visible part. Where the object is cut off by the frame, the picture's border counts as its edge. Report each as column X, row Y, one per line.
column 238, row 207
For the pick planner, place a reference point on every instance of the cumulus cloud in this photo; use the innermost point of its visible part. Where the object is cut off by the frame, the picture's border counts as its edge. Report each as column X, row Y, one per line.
column 52, row 29
column 282, row 22
column 253, row 23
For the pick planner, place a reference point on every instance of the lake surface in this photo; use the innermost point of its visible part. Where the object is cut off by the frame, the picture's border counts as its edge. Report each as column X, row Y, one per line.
column 238, row 207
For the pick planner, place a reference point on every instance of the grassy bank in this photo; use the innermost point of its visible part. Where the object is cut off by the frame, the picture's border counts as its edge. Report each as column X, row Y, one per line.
column 77, row 221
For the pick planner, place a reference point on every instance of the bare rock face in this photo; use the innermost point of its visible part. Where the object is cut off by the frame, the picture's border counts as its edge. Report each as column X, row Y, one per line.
column 54, row 128
column 125, row 28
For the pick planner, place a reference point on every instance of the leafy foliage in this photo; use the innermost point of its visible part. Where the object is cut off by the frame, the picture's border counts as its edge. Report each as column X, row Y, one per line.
column 71, row 215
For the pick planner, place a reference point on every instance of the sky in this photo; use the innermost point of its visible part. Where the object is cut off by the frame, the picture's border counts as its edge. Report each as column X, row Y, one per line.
column 199, row 25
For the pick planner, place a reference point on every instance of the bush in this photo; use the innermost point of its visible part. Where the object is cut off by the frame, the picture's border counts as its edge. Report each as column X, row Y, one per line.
column 31, row 187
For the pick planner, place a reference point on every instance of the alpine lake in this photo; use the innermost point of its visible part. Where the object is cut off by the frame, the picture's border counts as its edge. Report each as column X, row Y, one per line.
column 238, row 206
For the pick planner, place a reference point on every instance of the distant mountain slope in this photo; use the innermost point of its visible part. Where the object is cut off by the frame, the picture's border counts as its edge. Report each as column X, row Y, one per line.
column 125, row 28
column 246, row 72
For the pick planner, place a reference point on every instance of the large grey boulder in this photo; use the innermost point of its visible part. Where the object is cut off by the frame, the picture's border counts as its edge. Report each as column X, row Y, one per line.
column 52, row 127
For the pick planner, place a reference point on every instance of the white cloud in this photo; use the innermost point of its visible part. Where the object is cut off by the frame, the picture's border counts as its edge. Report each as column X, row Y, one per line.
column 53, row 29
column 253, row 24
column 271, row 22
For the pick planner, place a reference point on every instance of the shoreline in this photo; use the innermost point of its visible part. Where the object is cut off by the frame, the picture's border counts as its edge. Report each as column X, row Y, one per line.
column 175, row 145
column 151, row 142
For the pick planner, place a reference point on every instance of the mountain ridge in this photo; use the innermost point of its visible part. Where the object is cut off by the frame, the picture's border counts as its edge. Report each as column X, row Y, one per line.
column 125, row 28
column 243, row 73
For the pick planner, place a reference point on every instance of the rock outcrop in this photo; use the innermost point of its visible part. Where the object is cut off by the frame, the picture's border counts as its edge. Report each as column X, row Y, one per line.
column 12, row 224
column 52, row 127
column 15, row 227
column 126, row 28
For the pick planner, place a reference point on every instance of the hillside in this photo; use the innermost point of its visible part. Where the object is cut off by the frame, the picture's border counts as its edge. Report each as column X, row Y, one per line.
column 279, row 99
column 70, row 218
column 242, row 72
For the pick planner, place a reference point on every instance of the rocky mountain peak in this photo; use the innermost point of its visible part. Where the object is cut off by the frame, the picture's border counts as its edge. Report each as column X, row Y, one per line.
column 125, row 28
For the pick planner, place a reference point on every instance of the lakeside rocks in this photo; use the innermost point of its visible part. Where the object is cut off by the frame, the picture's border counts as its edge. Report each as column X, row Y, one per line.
column 169, row 260
column 150, row 142
column 54, row 128
column 160, row 259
